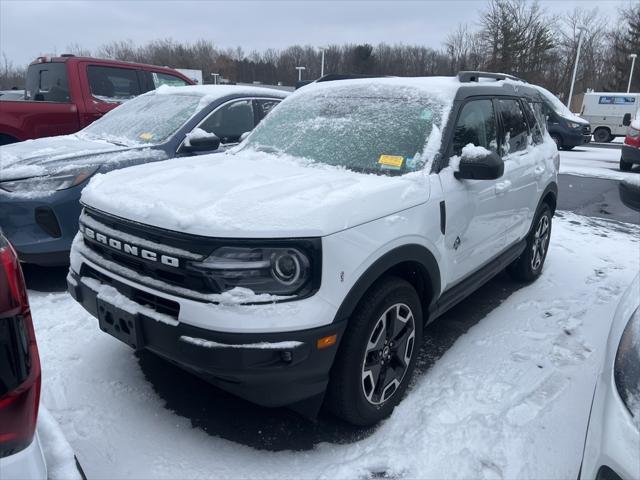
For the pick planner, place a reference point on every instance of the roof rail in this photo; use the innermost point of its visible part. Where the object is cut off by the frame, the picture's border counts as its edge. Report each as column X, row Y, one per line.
column 67, row 55
column 474, row 76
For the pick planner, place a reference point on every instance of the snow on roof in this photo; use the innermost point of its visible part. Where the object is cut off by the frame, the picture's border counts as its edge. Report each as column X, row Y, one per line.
column 217, row 90
column 445, row 87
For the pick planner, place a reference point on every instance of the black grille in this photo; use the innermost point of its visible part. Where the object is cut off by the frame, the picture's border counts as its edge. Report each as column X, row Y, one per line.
column 176, row 276
column 586, row 130
column 159, row 304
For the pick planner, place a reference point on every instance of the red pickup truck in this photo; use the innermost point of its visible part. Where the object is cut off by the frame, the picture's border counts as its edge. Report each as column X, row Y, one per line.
column 65, row 94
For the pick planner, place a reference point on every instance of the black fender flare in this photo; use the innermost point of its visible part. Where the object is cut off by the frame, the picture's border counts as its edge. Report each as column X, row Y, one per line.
column 414, row 253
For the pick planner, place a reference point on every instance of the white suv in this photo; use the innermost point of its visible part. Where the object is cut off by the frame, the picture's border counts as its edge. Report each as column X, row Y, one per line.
column 302, row 266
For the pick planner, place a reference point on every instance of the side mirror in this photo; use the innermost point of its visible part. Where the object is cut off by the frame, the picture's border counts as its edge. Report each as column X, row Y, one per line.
column 488, row 166
column 207, row 143
column 243, row 136
column 626, row 120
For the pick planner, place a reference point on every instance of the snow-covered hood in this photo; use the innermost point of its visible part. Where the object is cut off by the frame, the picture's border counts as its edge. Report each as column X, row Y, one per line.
column 252, row 195
column 45, row 156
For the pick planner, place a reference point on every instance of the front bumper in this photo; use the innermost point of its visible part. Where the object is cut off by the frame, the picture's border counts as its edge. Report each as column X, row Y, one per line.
column 269, row 369
column 41, row 229
column 630, row 154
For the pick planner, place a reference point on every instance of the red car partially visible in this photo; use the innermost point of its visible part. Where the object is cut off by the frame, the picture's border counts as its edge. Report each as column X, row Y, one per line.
column 20, row 452
column 631, row 147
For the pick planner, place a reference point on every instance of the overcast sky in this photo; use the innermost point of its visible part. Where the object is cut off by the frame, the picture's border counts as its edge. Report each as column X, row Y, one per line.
column 32, row 28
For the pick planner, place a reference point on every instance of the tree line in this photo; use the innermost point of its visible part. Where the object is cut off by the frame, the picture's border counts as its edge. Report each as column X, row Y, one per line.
column 511, row 36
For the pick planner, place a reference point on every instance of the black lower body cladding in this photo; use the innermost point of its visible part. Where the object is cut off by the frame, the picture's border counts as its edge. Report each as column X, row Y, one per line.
column 270, row 369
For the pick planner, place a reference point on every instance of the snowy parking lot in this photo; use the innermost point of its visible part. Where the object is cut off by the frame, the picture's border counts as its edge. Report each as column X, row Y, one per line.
column 506, row 395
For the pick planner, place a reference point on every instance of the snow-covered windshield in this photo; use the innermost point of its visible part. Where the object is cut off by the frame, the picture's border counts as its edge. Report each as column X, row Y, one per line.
column 148, row 119
column 367, row 128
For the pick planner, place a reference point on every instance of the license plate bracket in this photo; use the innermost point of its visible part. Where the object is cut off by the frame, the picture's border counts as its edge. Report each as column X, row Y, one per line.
column 120, row 324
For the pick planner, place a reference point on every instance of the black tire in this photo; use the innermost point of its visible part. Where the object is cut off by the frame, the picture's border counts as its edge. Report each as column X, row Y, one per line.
column 602, row 135
column 625, row 166
column 557, row 139
column 566, row 147
column 528, row 266
column 353, row 394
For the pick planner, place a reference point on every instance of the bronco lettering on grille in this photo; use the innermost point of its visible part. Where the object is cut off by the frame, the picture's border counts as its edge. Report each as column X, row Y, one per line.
column 133, row 250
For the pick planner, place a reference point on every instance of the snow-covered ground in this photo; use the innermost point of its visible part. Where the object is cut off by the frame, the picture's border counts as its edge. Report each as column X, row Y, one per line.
column 594, row 162
column 510, row 398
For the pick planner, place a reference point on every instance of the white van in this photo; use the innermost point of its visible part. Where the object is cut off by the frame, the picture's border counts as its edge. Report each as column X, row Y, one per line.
column 605, row 110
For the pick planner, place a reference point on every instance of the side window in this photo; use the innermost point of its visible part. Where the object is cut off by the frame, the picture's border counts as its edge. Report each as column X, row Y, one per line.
column 536, row 124
column 230, row 121
column 514, row 124
column 263, row 107
column 166, row 79
column 477, row 125
column 112, row 84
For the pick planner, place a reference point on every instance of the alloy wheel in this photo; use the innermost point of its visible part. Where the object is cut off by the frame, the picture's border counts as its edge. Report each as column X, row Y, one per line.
column 540, row 242
column 388, row 353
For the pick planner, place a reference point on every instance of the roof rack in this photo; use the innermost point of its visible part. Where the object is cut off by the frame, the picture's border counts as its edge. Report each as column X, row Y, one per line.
column 474, row 76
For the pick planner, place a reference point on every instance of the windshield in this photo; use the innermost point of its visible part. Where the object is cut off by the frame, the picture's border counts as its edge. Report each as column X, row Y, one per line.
column 148, row 119
column 368, row 128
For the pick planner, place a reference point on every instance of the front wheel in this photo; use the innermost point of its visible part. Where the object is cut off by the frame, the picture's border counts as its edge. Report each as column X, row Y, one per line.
column 602, row 135
column 377, row 355
column 528, row 266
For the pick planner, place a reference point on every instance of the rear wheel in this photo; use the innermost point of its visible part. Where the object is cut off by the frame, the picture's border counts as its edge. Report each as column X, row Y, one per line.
column 602, row 135
column 625, row 166
column 528, row 266
column 377, row 354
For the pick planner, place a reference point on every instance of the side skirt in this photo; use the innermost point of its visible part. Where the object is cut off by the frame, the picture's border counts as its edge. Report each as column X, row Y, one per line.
column 458, row 292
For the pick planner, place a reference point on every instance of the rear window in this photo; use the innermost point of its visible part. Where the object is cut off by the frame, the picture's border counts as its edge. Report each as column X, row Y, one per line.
column 47, row 82
column 112, row 84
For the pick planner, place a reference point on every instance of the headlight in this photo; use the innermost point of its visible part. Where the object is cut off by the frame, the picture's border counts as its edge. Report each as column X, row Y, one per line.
column 274, row 270
column 574, row 125
column 626, row 371
column 58, row 181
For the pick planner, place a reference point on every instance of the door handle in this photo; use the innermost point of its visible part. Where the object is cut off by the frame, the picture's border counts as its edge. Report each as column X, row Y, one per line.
column 538, row 172
column 502, row 187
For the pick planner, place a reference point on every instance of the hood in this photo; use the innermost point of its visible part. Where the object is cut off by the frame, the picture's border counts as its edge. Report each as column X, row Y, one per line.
column 45, row 156
column 252, row 195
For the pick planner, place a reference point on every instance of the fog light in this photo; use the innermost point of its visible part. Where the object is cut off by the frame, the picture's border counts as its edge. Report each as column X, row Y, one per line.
column 326, row 342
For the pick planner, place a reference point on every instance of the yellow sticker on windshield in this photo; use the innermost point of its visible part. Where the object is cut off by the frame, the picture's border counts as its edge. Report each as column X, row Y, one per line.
column 146, row 136
column 393, row 161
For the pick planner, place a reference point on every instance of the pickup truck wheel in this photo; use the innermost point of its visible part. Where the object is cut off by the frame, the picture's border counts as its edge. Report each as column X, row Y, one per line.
column 625, row 166
column 377, row 354
column 528, row 266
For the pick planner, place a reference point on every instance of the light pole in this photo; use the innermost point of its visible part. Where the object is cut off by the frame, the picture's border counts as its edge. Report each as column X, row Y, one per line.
column 633, row 63
column 300, row 69
column 575, row 67
column 215, row 78
column 322, row 49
